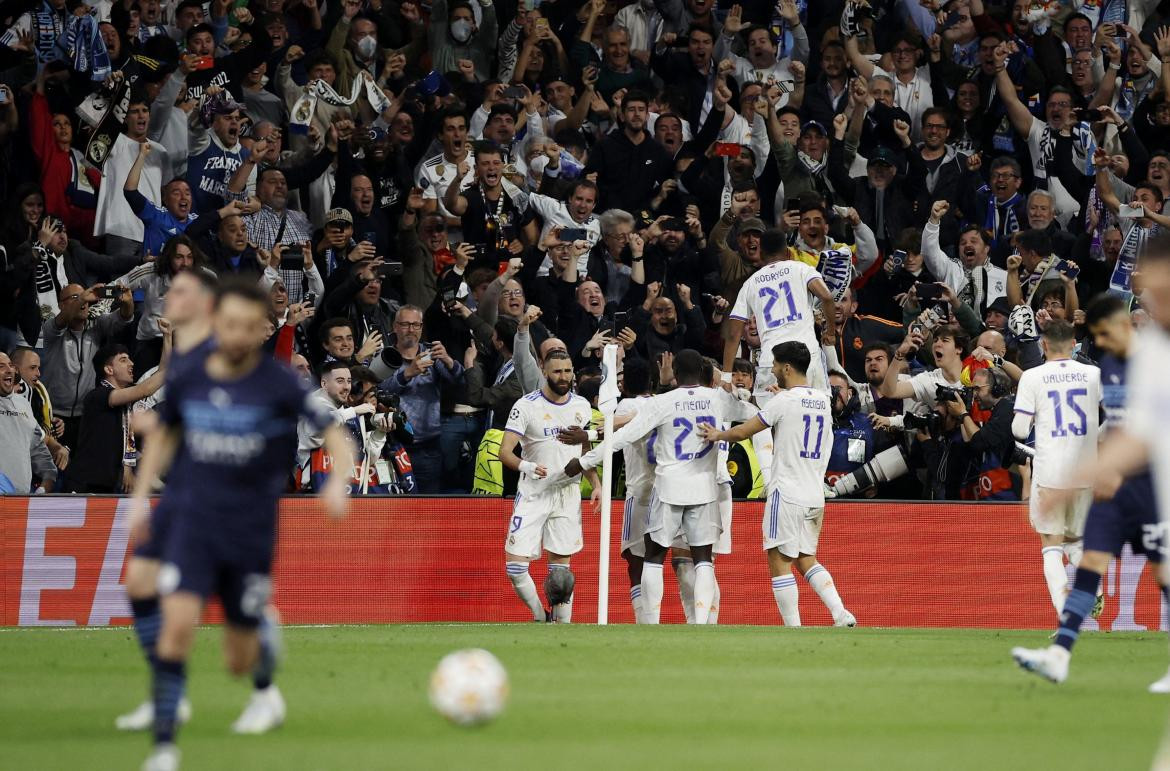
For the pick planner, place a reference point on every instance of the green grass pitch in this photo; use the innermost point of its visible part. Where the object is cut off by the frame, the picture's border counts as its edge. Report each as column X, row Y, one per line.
column 608, row 698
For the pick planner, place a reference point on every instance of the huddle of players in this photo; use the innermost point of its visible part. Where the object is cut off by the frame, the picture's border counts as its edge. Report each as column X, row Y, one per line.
column 226, row 433
column 675, row 451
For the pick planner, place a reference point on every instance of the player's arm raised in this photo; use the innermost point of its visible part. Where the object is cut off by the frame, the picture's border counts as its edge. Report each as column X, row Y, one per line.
column 892, row 387
column 335, row 494
column 732, row 435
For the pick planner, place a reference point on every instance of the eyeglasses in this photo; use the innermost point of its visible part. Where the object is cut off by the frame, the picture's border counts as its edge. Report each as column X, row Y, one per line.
column 435, row 229
column 513, row 293
column 1060, row 105
column 1053, row 305
column 408, row 324
column 936, row 127
column 1005, row 175
column 904, row 51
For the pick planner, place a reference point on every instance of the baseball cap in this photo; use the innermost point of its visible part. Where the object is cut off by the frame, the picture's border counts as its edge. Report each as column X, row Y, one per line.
column 813, row 124
column 752, row 224
column 338, row 215
column 1001, row 305
column 883, row 155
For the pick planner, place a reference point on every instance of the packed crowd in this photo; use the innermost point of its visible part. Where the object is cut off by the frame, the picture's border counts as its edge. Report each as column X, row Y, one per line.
column 437, row 196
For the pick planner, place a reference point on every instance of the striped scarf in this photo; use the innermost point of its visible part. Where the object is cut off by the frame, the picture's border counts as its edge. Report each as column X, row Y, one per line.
column 82, row 46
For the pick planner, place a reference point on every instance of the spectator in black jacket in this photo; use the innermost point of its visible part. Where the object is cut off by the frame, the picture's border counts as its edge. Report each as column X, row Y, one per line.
column 672, row 260
column 828, row 95
column 942, row 169
column 659, row 327
column 616, row 157
column 690, row 71
column 883, row 197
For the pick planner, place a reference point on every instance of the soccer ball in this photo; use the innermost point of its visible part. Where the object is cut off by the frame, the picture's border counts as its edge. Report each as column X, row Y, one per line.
column 469, row 687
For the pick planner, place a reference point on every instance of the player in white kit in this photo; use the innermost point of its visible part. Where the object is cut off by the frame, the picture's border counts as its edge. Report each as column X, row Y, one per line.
column 547, row 510
column 639, row 479
column 685, row 495
column 1062, row 398
column 779, row 295
column 801, row 423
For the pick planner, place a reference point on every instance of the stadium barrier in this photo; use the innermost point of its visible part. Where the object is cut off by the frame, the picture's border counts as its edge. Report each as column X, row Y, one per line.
column 406, row 559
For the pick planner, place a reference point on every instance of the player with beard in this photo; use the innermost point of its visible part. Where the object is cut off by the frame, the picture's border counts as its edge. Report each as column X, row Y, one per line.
column 189, row 302
column 546, row 514
column 226, row 431
column 802, row 426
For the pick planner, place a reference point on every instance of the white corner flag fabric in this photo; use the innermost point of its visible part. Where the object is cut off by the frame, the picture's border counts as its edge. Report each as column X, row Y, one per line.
column 607, row 400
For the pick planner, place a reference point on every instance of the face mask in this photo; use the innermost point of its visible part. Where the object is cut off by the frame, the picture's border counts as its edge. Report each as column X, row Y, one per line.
column 461, row 30
column 367, row 46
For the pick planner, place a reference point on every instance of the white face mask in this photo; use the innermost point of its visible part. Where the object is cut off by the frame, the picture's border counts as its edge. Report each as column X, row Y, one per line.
column 461, row 30
column 367, row 46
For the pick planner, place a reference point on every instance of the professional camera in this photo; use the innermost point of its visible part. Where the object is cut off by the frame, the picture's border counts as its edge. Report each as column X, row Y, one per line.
column 930, row 423
column 944, row 393
column 388, row 404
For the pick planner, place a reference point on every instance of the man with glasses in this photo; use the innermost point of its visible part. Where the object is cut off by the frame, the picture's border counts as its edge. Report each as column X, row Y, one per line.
column 941, row 167
column 417, row 371
column 998, row 207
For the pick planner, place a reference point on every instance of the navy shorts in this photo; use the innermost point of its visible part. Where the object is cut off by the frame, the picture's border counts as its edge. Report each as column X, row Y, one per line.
column 160, row 521
column 1130, row 516
column 206, row 563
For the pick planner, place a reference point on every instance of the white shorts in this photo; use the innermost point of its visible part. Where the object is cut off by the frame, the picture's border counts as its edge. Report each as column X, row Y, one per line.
column 818, row 378
column 698, row 524
column 792, row 529
column 634, row 526
column 551, row 520
column 1065, row 518
column 723, row 545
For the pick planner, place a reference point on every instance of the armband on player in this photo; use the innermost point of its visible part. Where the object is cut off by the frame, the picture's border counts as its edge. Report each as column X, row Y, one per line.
column 528, row 467
column 725, row 377
column 593, row 434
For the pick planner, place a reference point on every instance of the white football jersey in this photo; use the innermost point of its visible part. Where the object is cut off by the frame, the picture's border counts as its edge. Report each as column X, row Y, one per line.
column 685, row 464
column 777, row 295
column 1148, row 413
column 734, row 410
column 538, row 421
column 802, row 435
column 639, row 462
column 436, row 175
column 1064, row 399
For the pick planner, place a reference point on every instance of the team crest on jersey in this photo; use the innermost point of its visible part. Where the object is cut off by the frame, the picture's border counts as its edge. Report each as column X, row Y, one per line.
column 440, row 170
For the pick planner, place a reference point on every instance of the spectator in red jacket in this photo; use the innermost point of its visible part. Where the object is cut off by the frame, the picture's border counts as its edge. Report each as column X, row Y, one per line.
column 70, row 187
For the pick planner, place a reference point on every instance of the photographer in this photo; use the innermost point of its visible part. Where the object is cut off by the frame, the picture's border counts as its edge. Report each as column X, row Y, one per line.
column 991, row 444
column 381, row 463
column 940, row 448
column 853, row 435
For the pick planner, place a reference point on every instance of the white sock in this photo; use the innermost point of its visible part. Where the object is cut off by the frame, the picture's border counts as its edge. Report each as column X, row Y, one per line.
column 525, row 588
column 822, row 583
column 636, row 602
column 563, row 613
column 651, row 592
column 1054, row 575
column 787, row 598
column 704, row 591
column 684, row 571
column 1074, row 550
column 713, row 616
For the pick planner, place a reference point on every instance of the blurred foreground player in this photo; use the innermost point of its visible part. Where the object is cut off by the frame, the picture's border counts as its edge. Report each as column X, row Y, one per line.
column 228, row 434
column 1127, row 515
column 802, row 425
column 547, row 511
column 189, row 302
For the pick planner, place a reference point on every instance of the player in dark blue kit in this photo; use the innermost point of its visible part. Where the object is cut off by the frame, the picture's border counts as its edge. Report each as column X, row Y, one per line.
column 228, row 434
column 189, row 302
column 1129, row 516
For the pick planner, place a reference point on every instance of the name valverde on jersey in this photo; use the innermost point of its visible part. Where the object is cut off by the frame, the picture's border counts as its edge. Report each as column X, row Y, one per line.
column 1064, row 398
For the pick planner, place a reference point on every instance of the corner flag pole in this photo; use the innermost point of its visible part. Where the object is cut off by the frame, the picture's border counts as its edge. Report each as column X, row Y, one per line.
column 607, row 403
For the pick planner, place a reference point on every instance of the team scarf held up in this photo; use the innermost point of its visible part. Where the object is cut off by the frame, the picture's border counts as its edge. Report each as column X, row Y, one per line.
column 306, row 106
column 82, row 47
column 106, row 110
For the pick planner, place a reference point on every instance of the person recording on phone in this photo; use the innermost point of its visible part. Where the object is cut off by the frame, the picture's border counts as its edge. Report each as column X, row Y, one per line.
column 417, row 371
column 71, row 338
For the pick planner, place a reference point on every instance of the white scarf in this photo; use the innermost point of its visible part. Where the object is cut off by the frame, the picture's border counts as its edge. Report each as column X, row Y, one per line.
column 306, row 106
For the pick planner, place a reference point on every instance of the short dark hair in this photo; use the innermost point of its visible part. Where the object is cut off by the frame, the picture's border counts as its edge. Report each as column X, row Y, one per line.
column 1146, row 184
column 19, row 352
column 505, row 329
column 331, row 324
column 450, row 113
column 267, row 170
column 1034, row 240
column 636, row 376
column 688, row 366
column 793, row 353
column 956, row 333
column 333, row 366
column 697, row 27
column 1073, row 17
column 635, row 96
column 942, row 112
column 1007, row 160
column 1059, row 332
column 885, row 348
column 983, row 234
column 362, row 374
column 197, row 28
column 1102, row 307
column 484, row 147
column 773, row 243
column 743, row 366
column 106, row 354
column 556, row 353
column 243, row 289
column 909, row 240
